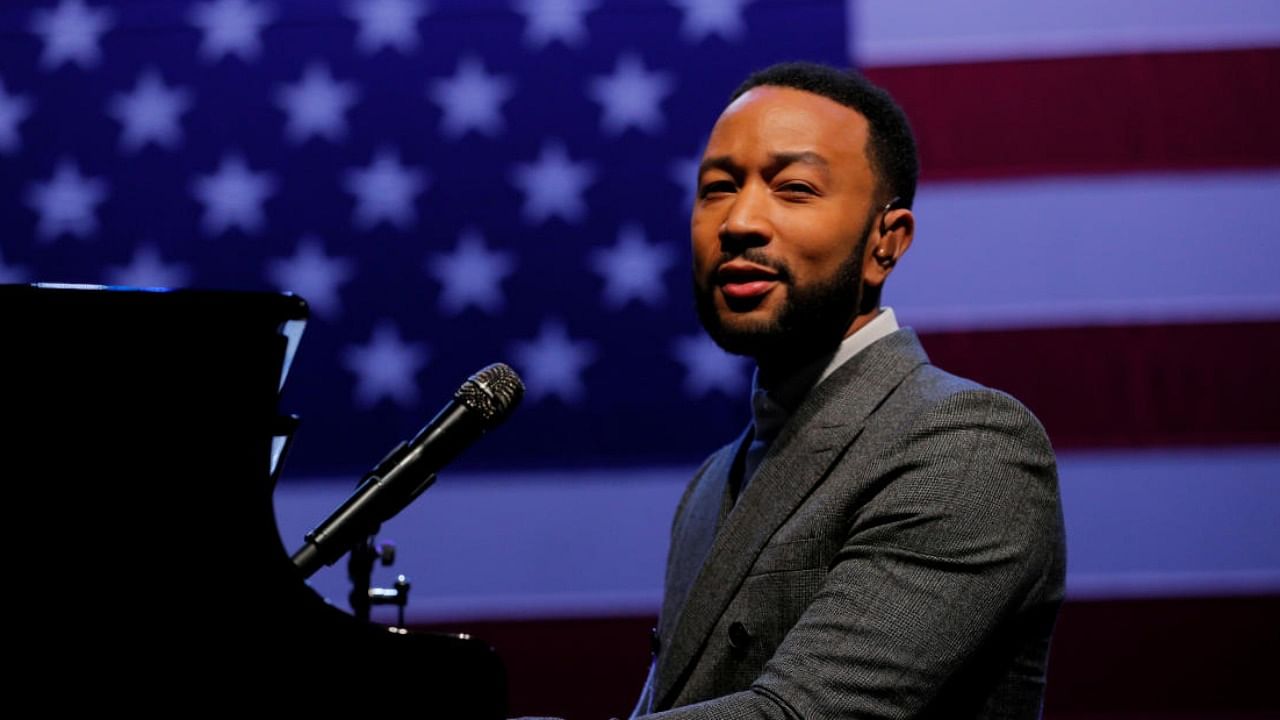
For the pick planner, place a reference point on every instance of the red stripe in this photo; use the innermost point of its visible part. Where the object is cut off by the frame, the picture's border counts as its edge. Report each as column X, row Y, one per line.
column 1169, row 659
column 1202, row 384
column 568, row 668
column 1138, row 112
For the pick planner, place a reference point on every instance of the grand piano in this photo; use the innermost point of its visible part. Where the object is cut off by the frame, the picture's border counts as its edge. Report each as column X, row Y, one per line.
column 145, row 559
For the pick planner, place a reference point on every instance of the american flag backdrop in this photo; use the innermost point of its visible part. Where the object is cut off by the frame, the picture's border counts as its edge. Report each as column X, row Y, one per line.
column 450, row 183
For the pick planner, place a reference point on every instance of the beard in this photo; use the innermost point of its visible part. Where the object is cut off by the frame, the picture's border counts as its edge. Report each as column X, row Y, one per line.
column 813, row 318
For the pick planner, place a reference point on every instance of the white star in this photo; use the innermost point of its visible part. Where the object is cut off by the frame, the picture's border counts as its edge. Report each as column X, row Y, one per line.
column 150, row 113
column 471, row 275
column 552, row 363
column 11, row 273
column 13, row 110
column 230, row 27
column 684, row 172
column 712, row 17
column 471, row 99
column 553, row 185
column 708, row 368
column 312, row 275
column 547, row 20
column 386, row 367
column 632, row 269
column 66, row 202
column 384, row 191
column 233, row 196
column 147, row 269
column 389, row 23
column 71, row 33
column 316, row 105
column 631, row 96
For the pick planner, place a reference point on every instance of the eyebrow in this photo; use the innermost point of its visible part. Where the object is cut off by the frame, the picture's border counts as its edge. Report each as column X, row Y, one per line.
column 777, row 162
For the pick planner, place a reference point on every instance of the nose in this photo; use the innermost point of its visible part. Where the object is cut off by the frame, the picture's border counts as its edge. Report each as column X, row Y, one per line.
column 747, row 222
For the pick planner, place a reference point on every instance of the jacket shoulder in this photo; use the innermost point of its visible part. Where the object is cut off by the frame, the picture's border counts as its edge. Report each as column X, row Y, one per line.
column 930, row 392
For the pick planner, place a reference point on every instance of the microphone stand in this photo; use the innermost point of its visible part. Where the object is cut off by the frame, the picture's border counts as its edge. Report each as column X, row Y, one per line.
column 360, row 573
column 363, row 595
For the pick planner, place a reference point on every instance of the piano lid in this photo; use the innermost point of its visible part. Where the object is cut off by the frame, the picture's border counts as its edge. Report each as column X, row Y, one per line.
column 143, row 541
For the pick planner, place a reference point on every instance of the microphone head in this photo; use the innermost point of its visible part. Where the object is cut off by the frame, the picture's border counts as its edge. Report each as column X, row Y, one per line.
column 493, row 392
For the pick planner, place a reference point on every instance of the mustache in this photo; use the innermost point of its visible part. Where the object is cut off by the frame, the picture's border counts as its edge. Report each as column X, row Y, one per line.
column 755, row 256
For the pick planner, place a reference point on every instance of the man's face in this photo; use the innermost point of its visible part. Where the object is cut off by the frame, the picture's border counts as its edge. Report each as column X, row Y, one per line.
column 784, row 206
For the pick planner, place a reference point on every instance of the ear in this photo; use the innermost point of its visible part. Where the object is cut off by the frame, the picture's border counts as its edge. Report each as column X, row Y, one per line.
column 887, row 245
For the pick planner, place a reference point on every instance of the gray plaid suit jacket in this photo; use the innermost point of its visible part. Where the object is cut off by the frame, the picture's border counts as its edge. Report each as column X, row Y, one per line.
column 898, row 554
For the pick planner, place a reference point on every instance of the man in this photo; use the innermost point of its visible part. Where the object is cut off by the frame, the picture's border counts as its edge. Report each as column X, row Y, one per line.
column 886, row 539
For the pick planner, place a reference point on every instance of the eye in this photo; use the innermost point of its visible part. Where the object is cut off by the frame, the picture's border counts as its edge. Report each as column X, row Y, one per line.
column 716, row 187
column 795, row 187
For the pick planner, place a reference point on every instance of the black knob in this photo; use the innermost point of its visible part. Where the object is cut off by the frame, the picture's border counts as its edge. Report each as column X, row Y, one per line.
column 386, row 553
column 739, row 636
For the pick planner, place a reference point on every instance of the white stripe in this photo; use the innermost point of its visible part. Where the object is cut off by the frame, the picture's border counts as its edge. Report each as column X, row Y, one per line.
column 581, row 544
column 1162, row 522
column 577, row 605
column 1173, row 584
column 1082, row 250
column 516, row 544
column 1043, row 313
column 890, row 32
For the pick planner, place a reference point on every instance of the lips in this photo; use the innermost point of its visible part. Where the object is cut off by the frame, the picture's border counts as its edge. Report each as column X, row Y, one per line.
column 743, row 280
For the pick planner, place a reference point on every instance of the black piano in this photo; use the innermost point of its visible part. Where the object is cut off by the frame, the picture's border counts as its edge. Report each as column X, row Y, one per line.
column 145, row 560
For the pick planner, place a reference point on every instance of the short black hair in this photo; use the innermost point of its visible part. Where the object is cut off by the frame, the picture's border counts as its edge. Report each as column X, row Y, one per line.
column 891, row 147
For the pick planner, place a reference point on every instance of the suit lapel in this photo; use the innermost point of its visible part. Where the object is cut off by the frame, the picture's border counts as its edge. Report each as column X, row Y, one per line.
column 696, row 533
column 827, row 421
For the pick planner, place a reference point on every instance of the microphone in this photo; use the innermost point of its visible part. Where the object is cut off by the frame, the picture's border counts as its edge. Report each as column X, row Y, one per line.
column 482, row 403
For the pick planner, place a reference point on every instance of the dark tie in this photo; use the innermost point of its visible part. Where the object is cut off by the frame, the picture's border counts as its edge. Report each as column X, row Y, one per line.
column 751, row 460
column 769, row 417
